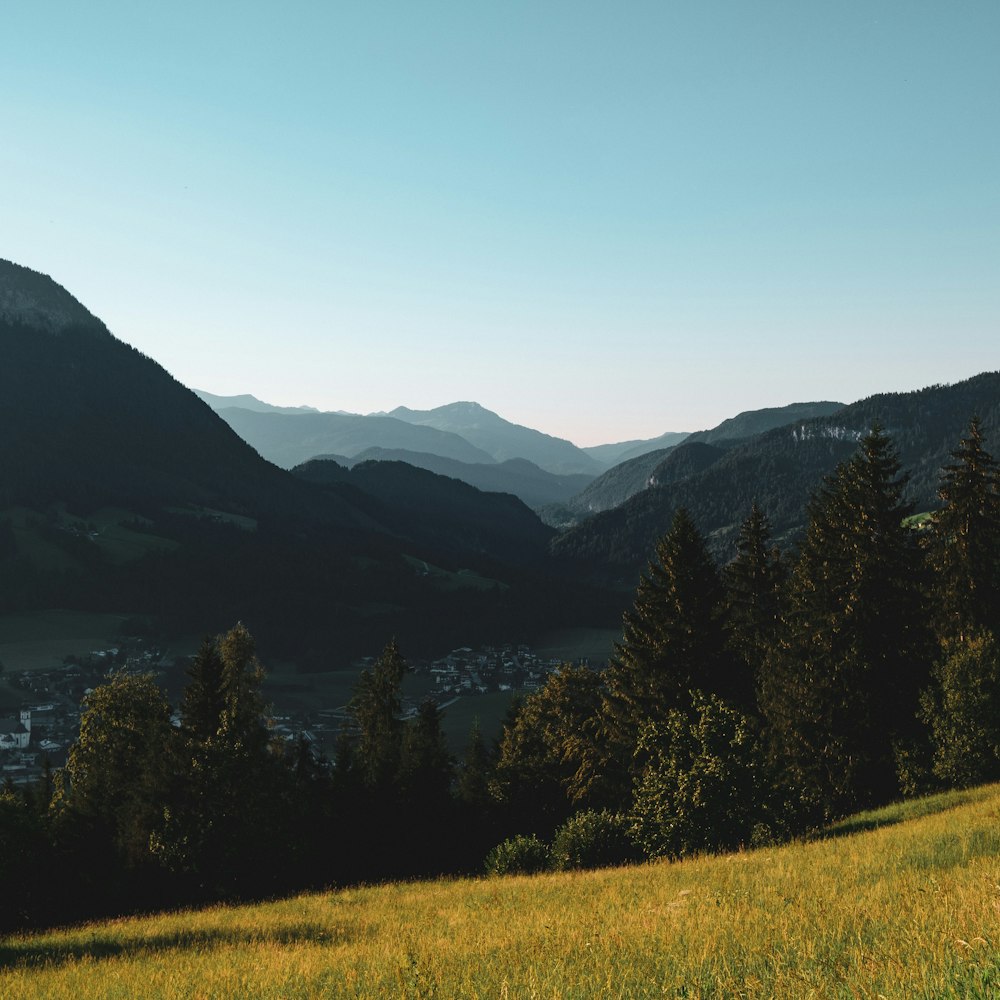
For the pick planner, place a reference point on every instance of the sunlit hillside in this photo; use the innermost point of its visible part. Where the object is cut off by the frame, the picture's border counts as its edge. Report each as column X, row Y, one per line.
column 903, row 902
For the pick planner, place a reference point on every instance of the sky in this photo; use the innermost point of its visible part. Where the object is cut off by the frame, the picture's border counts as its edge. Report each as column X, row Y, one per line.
column 602, row 220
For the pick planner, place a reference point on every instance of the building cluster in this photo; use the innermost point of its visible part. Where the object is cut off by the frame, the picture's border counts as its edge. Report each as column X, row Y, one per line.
column 468, row 671
column 38, row 735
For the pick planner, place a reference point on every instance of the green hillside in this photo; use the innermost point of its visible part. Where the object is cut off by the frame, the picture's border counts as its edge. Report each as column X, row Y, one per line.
column 902, row 902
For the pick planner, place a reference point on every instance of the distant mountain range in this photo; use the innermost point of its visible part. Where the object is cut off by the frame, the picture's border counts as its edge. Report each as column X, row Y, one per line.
column 289, row 439
column 682, row 459
column 247, row 402
column 613, row 454
column 502, row 439
column 121, row 490
column 524, row 479
column 779, row 469
column 477, row 446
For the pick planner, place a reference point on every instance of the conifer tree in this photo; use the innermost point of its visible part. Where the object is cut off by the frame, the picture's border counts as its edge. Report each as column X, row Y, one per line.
column 376, row 708
column 426, row 766
column 840, row 691
column 472, row 788
column 203, row 700
column 966, row 539
column 754, row 580
column 673, row 640
column 220, row 815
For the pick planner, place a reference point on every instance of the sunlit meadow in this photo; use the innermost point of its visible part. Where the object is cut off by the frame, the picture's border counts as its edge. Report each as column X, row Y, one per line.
column 903, row 902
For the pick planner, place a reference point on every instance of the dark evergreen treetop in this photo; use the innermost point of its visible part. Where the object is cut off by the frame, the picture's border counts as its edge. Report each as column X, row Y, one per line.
column 754, row 581
column 844, row 682
column 203, row 701
column 672, row 638
column 376, row 708
column 673, row 643
column 966, row 539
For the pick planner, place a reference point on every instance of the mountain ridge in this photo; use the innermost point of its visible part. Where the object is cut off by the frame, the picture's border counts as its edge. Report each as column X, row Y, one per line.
column 782, row 467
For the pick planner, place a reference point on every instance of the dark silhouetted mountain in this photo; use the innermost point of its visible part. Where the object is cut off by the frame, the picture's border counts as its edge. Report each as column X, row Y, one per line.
column 90, row 420
column 437, row 512
column 28, row 298
column 247, row 402
column 518, row 476
column 100, row 443
column 502, row 439
column 782, row 467
column 613, row 454
column 289, row 439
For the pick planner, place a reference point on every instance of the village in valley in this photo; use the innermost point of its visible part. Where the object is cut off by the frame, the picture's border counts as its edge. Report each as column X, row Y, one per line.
column 36, row 737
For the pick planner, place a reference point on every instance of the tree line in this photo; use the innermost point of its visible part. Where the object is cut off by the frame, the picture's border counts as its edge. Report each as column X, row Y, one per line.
column 743, row 705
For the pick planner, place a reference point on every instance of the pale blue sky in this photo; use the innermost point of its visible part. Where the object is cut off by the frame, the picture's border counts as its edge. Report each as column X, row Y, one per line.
column 604, row 220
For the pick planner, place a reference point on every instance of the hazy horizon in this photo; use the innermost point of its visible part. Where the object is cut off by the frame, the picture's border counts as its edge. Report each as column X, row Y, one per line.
column 601, row 223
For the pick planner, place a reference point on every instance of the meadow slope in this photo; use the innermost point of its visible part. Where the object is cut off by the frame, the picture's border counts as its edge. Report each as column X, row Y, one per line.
column 903, row 902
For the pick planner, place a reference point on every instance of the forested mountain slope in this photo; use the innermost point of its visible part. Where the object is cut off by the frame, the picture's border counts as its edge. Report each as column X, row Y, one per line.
column 525, row 480
column 782, row 467
column 680, row 460
column 120, row 490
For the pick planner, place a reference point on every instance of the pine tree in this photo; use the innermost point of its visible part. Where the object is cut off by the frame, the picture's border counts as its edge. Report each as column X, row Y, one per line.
column 673, row 643
column 754, row 581
column 966, row 539
column 203, row 701
column 840, row 691
column 472, row 788
column 376, row 707
column 426, row 766
column 220, row 813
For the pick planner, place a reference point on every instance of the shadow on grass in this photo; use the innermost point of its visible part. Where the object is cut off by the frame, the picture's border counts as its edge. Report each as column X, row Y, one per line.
column 33, row 953
column 901, row 812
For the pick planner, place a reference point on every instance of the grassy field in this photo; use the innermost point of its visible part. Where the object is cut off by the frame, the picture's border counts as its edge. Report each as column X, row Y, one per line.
column 900, row 903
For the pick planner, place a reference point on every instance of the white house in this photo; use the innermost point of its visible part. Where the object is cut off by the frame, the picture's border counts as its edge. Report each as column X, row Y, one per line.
column 15, row 734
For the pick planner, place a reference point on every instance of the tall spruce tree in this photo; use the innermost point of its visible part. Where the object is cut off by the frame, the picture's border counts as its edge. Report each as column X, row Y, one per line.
column 203, row 701
column 673, row 643
column 472, row 787
column 754, row 581
column 427, row 768
column 221, row 823
column 966, row 539
column 376, row 708
column 840, row 690
column 672, row 638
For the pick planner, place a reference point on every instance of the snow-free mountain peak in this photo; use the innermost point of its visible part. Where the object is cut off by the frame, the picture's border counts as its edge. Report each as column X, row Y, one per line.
column 34, row 299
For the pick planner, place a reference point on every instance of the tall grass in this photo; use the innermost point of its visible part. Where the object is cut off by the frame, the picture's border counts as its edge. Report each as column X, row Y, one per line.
column 907, row 907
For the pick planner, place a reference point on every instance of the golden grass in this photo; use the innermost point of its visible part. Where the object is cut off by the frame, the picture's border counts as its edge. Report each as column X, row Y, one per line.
column 908, row 909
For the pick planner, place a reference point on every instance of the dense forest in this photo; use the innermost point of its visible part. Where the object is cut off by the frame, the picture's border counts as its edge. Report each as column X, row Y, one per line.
column 743, row 706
